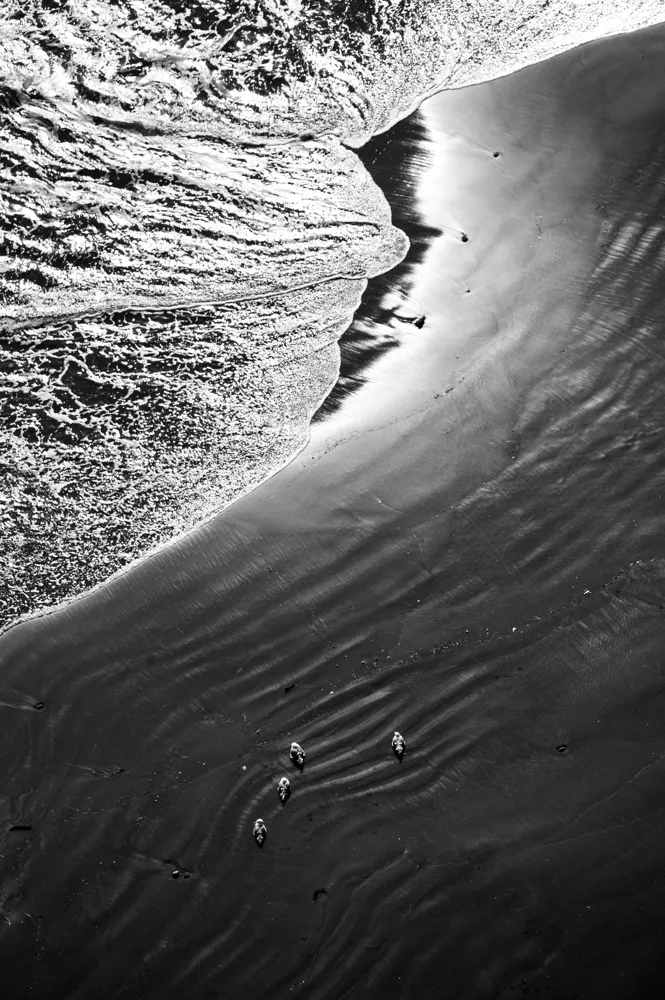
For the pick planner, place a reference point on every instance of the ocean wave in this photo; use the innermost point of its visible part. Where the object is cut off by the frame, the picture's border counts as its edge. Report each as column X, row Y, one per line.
column 173, row 288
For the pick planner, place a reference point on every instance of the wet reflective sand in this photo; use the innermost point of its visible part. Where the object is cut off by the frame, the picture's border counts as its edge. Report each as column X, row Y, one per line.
column 470, row 551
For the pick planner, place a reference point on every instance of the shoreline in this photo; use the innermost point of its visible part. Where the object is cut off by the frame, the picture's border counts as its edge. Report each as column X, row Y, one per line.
column 481, row 569
column 49, row 477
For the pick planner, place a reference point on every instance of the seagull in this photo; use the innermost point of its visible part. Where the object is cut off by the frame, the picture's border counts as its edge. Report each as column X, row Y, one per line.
column 284, row 789
column 260, row 832
column 297, row 755
column 399, row 746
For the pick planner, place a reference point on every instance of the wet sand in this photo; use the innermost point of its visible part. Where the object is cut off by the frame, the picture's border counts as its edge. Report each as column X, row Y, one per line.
column 469, row 550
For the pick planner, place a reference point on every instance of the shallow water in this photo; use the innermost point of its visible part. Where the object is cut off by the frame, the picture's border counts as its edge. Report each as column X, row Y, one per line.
column 469, row 550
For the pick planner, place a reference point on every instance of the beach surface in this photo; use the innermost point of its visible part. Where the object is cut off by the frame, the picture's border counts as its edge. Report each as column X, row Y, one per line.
column 469, row 550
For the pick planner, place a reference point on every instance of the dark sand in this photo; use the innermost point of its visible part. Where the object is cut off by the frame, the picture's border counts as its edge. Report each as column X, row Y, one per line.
column 470, row 550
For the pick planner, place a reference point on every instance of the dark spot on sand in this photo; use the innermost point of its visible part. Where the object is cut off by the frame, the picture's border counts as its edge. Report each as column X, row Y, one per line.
column 317, row 893
column 562, row 748
column 465, row 238
column 420, row 322
column 304, row 136
column 290, row 687
column 39, row 706
column 495, row 155
column 177, row 870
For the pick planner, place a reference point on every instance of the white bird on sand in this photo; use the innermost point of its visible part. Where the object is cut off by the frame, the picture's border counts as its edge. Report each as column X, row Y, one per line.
column 260, row 832
column 284, row 788
column 399, row 746
column 297, row 755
